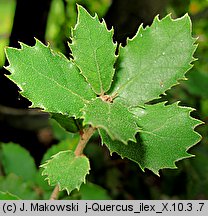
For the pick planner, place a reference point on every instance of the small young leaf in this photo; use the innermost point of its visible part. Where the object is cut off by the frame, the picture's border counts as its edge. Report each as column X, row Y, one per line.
column 167, row 133
column 69, row 144
column 93, row 51
column 48, row 79
column 154, row 60
column 16, row 159
column 113, row 117
column 66, row 170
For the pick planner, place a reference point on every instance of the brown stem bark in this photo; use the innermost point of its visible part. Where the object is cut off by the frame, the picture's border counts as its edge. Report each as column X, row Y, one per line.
column 55, row 193
column 85, row 136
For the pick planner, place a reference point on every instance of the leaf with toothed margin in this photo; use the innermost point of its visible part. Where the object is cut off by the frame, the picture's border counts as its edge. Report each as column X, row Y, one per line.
column 48, row 79
column 66, row 170
column 166, row 135
column 154, row 60
column 116, row 119
column 93, row 51
column 151, row 63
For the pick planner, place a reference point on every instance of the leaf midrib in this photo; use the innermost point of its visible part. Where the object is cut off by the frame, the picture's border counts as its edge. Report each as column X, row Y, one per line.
column 95, row 57
column 54, row 81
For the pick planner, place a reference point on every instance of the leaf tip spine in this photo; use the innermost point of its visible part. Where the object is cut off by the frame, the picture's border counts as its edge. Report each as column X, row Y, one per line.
column 157, row 18
column 22, row 46
column 38, row 42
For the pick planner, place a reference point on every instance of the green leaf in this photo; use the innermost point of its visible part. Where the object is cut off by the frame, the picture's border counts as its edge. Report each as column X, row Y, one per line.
column 166, row 135
column 197, row 84
column 68, row 144
column 69, row 123
column 16, row 159
column 113, row 117
column 92, row 191
column 154, row 60
column 61, row 146
column 93, row 51
column 66, row 170
column 60, row 133
column 48, row 79
column 15, row 185
column 151, row 63
column 8, row 196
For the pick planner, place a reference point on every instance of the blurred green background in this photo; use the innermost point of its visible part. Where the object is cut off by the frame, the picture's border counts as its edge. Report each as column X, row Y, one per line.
column 30, row 135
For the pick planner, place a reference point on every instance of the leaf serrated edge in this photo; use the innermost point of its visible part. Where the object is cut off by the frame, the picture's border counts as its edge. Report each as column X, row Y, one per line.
column 197, row 123
column 44, row 173
column 188, row 155
column 120, row 46
column 24, row 46
column 111, row 31
column 157, row 19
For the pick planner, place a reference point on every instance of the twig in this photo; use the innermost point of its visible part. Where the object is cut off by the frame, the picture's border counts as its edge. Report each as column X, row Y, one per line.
column 85, row 136
column 55, row 193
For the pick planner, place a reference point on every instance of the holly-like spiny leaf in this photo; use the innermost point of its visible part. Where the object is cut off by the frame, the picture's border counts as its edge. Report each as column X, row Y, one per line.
column 93, row 51
column 154, row 60
column 48, row 79
column 166, row 135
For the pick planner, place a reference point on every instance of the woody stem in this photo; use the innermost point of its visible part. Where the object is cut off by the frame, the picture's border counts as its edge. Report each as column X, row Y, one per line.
column 85, row 136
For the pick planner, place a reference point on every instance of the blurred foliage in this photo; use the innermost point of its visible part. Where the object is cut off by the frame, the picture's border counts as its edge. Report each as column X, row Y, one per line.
column 59, row 30
column 7, row 8
column 18, row 166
